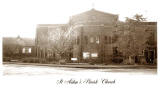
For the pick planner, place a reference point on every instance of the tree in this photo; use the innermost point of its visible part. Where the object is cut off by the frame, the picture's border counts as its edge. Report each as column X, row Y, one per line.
column 61, row 40
column 150, row 40
column 139, row 18
column 131, row 41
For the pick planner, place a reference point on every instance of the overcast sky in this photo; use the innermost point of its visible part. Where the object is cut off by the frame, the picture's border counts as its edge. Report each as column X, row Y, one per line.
column 20, row 17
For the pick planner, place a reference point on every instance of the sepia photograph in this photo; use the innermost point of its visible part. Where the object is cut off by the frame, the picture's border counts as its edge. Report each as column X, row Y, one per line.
column 80, row 39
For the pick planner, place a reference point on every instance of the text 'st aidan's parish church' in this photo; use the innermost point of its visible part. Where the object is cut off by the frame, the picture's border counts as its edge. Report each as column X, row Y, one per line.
column 99, row 37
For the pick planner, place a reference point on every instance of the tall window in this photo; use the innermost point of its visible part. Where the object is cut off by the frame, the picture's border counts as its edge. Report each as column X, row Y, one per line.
column 109, row 39
column 23, row 50
column 106, row 39
column 29, row 50
column 97, row 39
column 115, row 51
column 86, row 39
column 91, row 39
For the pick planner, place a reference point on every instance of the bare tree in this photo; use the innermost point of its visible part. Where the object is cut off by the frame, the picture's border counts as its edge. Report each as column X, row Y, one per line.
column 61, row 40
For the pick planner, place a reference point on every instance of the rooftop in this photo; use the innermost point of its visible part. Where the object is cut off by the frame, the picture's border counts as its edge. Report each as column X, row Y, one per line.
column 18, row 40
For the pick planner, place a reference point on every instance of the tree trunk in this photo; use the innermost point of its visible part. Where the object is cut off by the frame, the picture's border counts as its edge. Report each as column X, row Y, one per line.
column 61, row 59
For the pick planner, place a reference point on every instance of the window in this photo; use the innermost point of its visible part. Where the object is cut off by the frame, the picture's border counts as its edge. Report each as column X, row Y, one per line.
column 91, row 39
column 26, row 50
column 97, row 39
column 106, row 39
column 115, row 51
column 109, row 39
column 94, row 54
column 29, row 50
column 86, row 55
column 74, row 59
column 23, row 50
column 86, row 39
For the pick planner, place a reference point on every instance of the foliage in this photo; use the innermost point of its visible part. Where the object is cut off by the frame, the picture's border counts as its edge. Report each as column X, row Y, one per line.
column 139, row 18
column 150, row 39
column 12, row 46
column 7, row 59
column 135, row 18
column 117, row 59
column 30, row 60
column 131, row 41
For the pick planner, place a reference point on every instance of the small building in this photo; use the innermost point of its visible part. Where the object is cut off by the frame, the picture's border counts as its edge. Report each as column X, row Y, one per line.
column 17, row 47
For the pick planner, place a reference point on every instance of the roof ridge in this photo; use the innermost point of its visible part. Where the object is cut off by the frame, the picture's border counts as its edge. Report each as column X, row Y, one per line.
column 93, row 9
column 103, row 12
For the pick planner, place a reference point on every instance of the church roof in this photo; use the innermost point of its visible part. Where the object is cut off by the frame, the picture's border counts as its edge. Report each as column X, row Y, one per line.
column 94, row 17
column 95, row 11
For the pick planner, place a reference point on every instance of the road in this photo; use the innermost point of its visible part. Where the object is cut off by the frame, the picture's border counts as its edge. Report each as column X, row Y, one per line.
column 32, row 70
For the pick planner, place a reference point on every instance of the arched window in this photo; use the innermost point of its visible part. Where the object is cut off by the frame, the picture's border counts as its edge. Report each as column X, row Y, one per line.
column 91, row 39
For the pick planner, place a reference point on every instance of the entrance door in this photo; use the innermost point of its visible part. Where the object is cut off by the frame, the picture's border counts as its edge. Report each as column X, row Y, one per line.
column 151, row 56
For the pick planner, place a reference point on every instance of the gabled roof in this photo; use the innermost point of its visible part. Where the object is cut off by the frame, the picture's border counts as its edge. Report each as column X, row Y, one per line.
column 18, row 41
column 94, row 17
column 95, row 11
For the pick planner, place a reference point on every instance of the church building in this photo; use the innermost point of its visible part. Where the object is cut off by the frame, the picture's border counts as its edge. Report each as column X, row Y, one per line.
column 96, row 38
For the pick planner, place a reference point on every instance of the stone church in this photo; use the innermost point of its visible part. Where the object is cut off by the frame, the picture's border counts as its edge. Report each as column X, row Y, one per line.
column 96, row 36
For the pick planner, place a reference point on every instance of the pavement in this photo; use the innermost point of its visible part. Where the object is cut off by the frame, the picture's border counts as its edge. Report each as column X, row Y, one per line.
column 88, row 66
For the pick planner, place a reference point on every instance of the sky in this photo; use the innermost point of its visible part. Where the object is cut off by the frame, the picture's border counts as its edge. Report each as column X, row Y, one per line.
column 20, row 17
